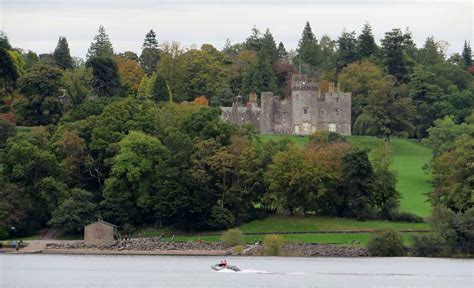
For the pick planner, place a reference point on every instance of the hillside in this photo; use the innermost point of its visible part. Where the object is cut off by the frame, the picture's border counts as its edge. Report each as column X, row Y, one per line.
column 409, row 158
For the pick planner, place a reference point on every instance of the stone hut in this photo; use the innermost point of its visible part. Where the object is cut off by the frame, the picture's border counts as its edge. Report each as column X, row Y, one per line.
column 100, row 233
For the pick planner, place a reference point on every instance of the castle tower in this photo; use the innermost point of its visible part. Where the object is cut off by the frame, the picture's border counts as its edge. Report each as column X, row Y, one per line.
column 266, row 114
column 304, row 94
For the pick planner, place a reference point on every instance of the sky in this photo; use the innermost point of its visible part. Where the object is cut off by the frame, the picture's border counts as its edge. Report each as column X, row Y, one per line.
column 36, row 25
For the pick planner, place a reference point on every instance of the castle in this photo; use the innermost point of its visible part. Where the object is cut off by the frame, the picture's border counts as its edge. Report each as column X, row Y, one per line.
column 309, row 109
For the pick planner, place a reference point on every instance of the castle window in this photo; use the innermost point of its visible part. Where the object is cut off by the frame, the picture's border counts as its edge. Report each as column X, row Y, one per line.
column 321, row 111
column 337, row 99
column 338, row 111
column 305, row 110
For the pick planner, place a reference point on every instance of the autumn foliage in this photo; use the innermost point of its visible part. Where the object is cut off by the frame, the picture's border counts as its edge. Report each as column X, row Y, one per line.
column 201, row 101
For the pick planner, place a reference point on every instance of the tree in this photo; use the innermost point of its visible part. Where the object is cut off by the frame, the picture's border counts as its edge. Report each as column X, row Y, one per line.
column 308, row 49
column 387, row 196
column 8, row 72
column 62, row 55
column 72, row 214
column 396, row 48
column 77, row 84
column 260, row 78
column 130, row 73
column 347, row 52
column 268, row 49
column 282, row 53
column 160, row 91
column 443, row 134
column 391, row 112
column 4, row 43
column 31, row 59
column 431, row 53
column 100, row 46
column 359, row 78
column 467, row 54
column 137, row 174
column 253, row 42
column 204, row 73
column 328, row 53
column 428, row 99
column 6, row 130
column 105, row 76
column 358, row 181
column 150, row 53
column 40, row 87
column 173, row 66
column 366, row 46
column 72, row 151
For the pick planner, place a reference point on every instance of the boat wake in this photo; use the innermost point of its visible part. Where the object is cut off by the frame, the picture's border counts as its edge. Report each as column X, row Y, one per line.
column 251, row 271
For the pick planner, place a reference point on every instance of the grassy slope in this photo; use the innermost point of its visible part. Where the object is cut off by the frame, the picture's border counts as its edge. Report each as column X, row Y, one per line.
column 409, row 159
column 331, row 238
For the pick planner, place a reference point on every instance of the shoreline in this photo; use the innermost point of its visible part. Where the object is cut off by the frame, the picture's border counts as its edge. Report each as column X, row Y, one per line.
column 153, row 246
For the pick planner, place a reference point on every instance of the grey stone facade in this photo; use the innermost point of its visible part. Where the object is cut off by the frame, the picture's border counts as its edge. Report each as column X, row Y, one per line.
column 307, row 111
column 100, row 233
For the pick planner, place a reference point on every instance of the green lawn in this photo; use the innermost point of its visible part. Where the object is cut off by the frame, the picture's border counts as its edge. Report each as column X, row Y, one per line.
column 409, row 158
column 281, row 223
column 328, row 238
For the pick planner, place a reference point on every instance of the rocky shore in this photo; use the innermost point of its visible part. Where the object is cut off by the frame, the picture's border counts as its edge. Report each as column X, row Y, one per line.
column 153, row 246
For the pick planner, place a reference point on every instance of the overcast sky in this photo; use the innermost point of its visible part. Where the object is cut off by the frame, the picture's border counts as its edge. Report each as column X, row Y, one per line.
column 36, row 25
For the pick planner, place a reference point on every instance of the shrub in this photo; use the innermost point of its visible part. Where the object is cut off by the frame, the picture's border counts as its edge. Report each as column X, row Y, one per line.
column 396, row 215
column 430, row 245
column 233, row 237
column 386, row 242
column 273, row 245
column 3, row 233
column 239, row 249
column 221, row 218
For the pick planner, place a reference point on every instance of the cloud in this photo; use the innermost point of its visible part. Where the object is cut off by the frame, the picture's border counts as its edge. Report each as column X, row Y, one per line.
column 36, row 25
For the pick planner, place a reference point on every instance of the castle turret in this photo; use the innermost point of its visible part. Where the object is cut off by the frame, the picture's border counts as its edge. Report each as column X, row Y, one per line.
column 266, row 115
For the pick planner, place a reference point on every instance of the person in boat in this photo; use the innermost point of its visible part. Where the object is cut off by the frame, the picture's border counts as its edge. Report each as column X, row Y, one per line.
column 223, row 263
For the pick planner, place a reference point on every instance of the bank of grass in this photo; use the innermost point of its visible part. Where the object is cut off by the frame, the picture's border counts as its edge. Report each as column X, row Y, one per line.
column 280, row 224
column 359, row 239
column 409, row 158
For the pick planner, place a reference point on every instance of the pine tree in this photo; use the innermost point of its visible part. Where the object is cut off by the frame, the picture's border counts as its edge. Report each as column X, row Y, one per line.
column 282, row 53
column 260, row 78
column 347, row 52
column 430, row 54
column 268, row 47
column 160, row 89
column 4, row 43
column 308, row 48
column 366, row 43
column 254, row 42
column 101, row 45
column 8, row 71
column 150, row 53
column 396, row 48
column 467, row 54
column 105, row 76
column 62, row 55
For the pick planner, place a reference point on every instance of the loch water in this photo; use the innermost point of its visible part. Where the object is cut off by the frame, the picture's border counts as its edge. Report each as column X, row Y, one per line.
column 183, row 271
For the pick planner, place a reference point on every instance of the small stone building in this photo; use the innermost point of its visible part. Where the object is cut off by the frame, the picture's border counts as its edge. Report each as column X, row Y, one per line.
column 100, row 233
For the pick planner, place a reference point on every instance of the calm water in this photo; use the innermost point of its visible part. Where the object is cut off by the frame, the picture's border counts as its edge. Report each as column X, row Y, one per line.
column 163, row 271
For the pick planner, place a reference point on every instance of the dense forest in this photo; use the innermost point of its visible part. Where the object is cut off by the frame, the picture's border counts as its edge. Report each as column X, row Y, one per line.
column 137, row 139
